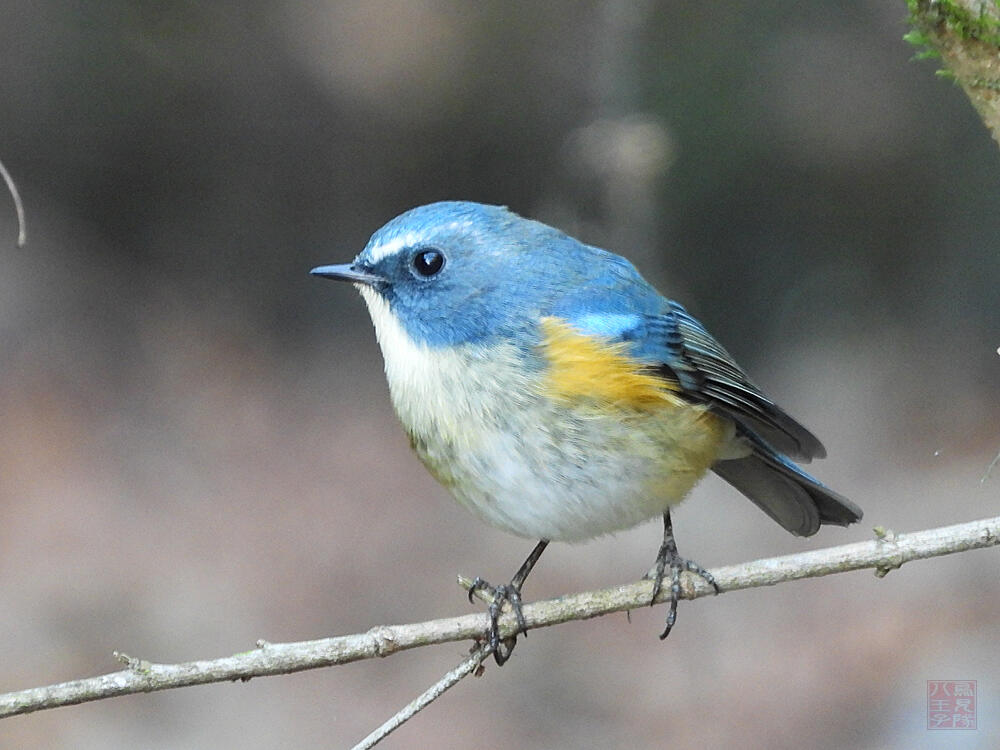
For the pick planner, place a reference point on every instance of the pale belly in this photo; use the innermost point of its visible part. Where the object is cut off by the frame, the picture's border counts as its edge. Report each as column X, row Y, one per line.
column 479, row 419
column 566, row 474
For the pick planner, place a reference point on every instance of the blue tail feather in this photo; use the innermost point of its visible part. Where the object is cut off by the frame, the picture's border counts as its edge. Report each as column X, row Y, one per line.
column 793, row 498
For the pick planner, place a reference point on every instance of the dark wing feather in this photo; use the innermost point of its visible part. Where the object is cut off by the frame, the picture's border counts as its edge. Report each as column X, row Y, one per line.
column 706, row 373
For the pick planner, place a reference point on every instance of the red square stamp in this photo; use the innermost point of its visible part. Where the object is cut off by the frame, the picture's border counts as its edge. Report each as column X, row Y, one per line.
column 951, row 704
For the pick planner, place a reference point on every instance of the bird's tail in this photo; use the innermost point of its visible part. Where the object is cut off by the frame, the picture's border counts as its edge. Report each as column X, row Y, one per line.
column 797, row 501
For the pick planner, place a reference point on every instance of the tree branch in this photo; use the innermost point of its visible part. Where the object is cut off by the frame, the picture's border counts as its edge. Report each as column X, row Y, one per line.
column 885, row 553
column 469, row 665
column 22, row 236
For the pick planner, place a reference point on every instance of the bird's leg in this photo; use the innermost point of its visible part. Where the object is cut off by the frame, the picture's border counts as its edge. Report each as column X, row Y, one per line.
column 668, row 556
column 507, row 593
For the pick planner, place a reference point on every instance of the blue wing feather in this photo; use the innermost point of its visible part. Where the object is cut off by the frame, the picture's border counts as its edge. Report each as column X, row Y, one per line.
column 621, row 306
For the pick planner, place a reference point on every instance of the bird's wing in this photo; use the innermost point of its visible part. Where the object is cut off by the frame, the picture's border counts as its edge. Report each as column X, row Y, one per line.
column 696, row 366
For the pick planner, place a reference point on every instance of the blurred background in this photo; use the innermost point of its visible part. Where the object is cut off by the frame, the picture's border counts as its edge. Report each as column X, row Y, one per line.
column 197, row 447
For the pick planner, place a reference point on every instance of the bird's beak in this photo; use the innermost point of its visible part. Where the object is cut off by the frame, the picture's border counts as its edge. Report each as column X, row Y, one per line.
column 348, row 272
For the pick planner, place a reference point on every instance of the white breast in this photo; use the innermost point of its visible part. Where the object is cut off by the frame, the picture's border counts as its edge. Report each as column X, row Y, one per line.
column 478, row 420
column 447, row 390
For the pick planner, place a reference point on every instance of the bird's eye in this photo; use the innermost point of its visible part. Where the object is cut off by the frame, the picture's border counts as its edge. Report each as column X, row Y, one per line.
column 428, row 263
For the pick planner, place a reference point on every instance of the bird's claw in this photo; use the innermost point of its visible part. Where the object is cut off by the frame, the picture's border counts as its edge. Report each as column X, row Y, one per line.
column 502, row 648
column 676, row 565
column 669, row 557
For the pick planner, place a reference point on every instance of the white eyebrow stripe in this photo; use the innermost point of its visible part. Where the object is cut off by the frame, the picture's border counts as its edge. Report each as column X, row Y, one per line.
column 412, row 239
column 393, row 246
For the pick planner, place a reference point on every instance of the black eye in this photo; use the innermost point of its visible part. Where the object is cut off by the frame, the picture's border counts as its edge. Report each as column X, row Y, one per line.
column 427, row 263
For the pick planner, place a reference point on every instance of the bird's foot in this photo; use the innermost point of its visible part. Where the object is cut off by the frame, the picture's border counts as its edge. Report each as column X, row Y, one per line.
column 510, row 593
column 669, row 558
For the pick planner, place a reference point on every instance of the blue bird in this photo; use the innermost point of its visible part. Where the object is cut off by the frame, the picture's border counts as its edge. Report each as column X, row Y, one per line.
column 560, row 397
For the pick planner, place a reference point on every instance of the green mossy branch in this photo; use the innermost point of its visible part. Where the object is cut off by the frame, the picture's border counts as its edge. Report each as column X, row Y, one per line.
column 963, row 19
column 965, row 35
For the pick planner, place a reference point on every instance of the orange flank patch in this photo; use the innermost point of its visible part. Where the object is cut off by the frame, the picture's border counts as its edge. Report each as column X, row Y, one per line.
column 592, row 368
